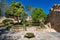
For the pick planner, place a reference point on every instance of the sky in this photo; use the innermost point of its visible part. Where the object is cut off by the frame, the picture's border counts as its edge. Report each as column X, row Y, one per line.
column 44, row 4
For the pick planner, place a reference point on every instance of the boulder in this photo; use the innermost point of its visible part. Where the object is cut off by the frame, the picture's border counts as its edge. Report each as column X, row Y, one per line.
column 54, row 17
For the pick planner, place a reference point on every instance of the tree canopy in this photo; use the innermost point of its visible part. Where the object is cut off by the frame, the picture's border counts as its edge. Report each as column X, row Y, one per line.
column 16, row 9
column 38, row 14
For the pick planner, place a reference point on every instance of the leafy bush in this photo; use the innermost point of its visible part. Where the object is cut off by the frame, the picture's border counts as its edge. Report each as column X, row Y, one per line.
column 8, row 27
column 8, row 21
column 25, row 23
column 29, row 35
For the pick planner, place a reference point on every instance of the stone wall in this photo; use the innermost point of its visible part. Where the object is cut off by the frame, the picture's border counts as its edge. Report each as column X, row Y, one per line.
column 54, row 17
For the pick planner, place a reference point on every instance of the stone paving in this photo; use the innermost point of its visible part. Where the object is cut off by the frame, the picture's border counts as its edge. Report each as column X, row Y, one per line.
column 38, row 36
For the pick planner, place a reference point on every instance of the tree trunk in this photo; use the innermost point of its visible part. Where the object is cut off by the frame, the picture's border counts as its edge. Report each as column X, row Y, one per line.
column 18, row 19
column 25, row 28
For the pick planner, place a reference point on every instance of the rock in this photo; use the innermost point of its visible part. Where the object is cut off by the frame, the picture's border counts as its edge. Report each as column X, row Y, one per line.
column 38, row 36
column 54, row 17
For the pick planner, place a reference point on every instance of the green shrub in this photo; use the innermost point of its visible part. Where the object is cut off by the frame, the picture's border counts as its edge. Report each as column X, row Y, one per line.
column 7, row 21
column 25, row 23
column 8, row 27
column 29, row 35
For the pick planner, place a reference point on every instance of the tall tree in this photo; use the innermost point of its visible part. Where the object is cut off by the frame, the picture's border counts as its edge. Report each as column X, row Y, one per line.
column 16, row 9
column 38, row 15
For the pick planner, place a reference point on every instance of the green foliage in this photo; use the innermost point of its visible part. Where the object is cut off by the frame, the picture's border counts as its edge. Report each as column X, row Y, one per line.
column 16, row 10
column 23, row 16
column 38, row 14
column 8, row 27
column 29, row 35
column 7, row 21
column 9, row 12
column 25, row 23
column 19, row 11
